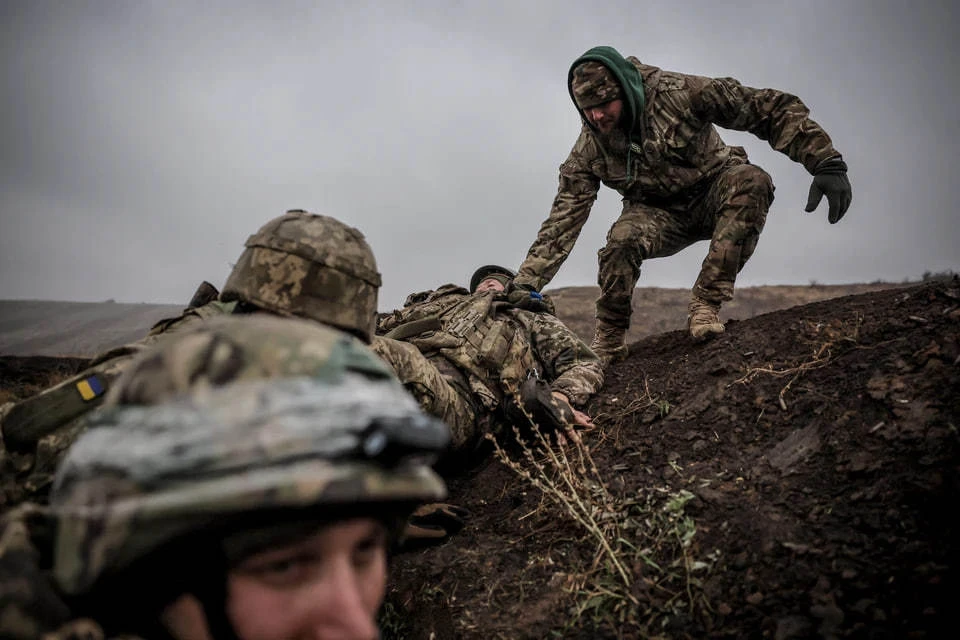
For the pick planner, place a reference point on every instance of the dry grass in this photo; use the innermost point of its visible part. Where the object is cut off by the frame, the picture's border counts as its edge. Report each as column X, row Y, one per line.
column 644, row 567
column 826, row 340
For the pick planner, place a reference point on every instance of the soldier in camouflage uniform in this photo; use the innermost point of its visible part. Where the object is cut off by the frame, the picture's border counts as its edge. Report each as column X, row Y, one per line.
column 298, row 264
column 244, row 480
column 649, row 134
column 467, row 356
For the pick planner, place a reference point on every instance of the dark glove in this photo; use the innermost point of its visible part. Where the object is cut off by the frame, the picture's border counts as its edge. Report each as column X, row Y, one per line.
column 526, row 298
column 830, row 179
column 435, row 522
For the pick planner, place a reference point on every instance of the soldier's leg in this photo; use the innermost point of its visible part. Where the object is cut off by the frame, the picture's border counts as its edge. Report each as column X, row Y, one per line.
column 733, row 211
column 736, row 207
column 639, row 233
column 430, row 388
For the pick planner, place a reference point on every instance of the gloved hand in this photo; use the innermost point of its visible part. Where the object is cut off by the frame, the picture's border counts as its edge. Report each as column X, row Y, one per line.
column 526, row 298
column 830, row 179
column 434, row 522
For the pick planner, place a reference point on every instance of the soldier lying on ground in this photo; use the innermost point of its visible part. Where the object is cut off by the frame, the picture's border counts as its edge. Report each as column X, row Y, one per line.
column 649, row 134
column 244, row 480
column 472, row 359
column 298, row 264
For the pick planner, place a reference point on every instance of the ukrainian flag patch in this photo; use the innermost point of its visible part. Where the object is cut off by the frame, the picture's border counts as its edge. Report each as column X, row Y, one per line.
column 90, row 388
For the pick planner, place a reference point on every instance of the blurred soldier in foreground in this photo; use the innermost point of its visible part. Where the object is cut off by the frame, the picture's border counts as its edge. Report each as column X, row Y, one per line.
column 478, row 362
column 649, row 134
column 245, row 480
column 298, row 264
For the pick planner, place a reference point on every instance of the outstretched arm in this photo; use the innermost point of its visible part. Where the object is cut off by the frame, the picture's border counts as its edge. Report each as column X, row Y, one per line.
column 558, row 233
column 784, row 121
column 780, row 118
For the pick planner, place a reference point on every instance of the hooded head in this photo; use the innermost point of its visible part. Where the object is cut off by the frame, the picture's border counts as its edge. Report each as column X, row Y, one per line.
column 601, row 75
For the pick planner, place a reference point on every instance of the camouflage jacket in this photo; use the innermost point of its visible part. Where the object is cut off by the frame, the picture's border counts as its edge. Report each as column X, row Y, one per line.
column 496, row 346
column 680, row 153
column 35, row 433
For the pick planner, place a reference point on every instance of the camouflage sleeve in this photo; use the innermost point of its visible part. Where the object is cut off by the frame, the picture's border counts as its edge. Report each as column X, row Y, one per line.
column 391, row 320
column 570, row 366
column 558, row 233
column 780, row 118
column 30, row 605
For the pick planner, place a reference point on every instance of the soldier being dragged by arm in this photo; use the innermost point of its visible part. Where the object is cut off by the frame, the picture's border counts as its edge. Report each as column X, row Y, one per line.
column 481, row 362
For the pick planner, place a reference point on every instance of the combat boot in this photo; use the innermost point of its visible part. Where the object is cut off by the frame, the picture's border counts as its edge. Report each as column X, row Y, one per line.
column 608, row 343
column 704, row 319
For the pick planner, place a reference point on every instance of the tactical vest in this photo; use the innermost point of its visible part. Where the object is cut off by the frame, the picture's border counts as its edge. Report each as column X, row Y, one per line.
column 477, row 335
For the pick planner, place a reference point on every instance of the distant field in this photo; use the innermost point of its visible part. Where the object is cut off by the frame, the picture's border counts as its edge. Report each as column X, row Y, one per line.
column 83, row 329
column 79, row 329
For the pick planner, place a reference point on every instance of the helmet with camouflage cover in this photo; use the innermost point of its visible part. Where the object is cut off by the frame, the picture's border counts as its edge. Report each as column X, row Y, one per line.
column 312, row 266
column 245, row 416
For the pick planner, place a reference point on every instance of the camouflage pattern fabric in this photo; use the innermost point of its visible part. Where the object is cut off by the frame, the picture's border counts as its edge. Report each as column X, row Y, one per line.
column 484, row 350
column 27, row 467
column 438, row 394
column 731, row 215
column 311, row 266
column 593, row 84
column 232, row 349
column 257, row 413
column 681, row 159
column 245, row 413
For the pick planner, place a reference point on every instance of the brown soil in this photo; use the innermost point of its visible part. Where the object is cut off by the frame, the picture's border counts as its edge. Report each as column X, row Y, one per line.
column 820, row 447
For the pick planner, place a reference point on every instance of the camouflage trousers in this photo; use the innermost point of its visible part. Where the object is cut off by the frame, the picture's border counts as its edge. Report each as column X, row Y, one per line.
column 435, row 392
column 730, row 213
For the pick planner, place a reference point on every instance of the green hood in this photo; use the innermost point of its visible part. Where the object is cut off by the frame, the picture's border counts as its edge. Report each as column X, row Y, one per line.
column 630, row 82
column 633, row 98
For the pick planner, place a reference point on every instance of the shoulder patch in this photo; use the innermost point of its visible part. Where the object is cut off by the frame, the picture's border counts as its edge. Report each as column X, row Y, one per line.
column 91, row 387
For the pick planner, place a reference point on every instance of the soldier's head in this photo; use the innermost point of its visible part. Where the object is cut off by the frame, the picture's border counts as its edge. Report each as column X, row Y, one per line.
column 311, row 266
column 597, row 94
column 244, row 480
column 491, row 277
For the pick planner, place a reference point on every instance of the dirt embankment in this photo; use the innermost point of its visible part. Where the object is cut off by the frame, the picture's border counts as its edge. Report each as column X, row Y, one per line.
column 796, row 477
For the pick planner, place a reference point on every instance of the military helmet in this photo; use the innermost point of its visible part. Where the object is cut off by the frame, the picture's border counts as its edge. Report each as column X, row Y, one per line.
column 246, row 415
column 312, row 266
column 488, row 271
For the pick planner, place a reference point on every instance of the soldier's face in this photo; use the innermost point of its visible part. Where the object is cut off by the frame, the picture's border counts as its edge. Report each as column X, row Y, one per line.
column 490, row 284
column 327, row 585
column 605, row 117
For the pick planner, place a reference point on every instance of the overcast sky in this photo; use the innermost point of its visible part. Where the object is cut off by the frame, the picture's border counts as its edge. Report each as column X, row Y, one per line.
column 143, row 141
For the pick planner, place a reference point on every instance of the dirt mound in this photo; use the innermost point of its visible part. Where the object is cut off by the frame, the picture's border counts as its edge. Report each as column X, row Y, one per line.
column 795, row 477
column 658, row 310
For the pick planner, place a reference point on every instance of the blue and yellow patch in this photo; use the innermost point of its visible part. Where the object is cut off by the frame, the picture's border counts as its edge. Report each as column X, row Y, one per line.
column 90, row 388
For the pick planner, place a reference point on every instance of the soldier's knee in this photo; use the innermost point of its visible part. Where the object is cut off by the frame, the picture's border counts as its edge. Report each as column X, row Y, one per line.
column 754, row 181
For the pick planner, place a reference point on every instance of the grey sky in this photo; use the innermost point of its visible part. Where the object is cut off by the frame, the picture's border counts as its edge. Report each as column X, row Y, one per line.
column 142, row 142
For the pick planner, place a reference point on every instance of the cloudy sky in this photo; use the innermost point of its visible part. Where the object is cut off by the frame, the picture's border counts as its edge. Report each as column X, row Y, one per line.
column 143, row 141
